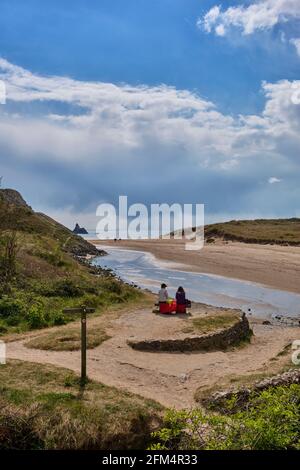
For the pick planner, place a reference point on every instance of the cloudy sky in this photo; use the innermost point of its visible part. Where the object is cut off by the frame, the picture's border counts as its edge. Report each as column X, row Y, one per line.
column 190, row 101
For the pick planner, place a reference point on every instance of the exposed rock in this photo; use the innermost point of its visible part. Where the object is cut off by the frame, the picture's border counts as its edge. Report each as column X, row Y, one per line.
column 80, row 230
column 11, row 196
column 218, row 400
column 286, row 320
column 219, row 340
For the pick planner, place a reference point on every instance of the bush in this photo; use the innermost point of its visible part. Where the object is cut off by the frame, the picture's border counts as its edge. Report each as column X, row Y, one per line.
column 3, row 327
column 270, row 422
column 113, row 285
column 63, row 288
column 35, row 316
column 58, row 319
column 10, row 307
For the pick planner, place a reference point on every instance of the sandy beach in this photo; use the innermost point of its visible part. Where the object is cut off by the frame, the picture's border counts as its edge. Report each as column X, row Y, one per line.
column 272, row 265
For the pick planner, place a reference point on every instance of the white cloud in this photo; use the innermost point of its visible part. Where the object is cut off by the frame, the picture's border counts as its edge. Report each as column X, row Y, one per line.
column 273, row 180
column 296, row 43
column 220, row 30
column 102, row 132
column 114, row 117
column 260, row 15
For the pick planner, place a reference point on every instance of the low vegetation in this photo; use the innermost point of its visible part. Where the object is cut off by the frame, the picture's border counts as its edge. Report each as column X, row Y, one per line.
column 273, row 231
column 269, row 422
column 42, row 271
column 43, row 407
column 208, row 323
column 68, row 339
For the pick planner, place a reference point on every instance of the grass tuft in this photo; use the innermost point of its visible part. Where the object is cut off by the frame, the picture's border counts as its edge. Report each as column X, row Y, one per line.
column 68, row 339
column 210, row 323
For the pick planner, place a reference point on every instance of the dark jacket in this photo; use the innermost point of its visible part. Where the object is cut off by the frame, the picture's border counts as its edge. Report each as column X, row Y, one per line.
column 180, row 298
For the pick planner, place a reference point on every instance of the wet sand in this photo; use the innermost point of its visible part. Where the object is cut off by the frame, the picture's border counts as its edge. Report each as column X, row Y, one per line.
column 272, row 265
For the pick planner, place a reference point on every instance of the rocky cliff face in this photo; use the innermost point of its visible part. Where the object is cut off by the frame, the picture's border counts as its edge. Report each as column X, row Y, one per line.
column 11, row 196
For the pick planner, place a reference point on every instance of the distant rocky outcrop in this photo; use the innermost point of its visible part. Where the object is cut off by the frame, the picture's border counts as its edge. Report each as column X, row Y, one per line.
column 80, row 230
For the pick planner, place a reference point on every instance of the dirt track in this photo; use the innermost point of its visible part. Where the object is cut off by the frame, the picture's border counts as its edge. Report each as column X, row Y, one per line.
column 169, row 378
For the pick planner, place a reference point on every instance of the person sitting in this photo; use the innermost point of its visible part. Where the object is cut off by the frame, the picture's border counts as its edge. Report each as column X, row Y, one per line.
column 181, row 300
column 163, row 294
column 166, row 305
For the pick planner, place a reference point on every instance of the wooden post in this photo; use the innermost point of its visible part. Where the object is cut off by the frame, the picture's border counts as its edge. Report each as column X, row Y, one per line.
column 83, row 310
column 83, row 346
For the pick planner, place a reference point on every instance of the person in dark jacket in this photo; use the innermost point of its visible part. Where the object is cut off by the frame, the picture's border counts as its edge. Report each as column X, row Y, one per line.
column 181, row 301
column 180, row 296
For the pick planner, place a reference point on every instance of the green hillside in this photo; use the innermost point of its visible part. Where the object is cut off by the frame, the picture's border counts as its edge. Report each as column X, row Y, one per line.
column 42, row 270
column 16, row 215
column 276, row 231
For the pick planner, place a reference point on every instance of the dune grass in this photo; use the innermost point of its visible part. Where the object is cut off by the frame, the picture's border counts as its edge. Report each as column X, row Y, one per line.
column 276, row 231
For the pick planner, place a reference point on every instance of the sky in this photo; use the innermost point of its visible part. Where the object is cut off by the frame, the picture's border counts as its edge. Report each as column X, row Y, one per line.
column 176, row 101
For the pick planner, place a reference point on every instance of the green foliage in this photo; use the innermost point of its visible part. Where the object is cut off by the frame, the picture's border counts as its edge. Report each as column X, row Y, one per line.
column 58, row 319
column 8, row 260
column 64, row 288
column 55, row 257
column 35, row 316
column 10, row 307
column 39, row 274
column 270, row 422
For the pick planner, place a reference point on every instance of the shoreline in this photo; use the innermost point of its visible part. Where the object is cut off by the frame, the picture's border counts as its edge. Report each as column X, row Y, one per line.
column 273, row 266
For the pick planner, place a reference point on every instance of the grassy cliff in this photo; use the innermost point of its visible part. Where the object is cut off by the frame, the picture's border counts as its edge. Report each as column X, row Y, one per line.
column 265, row 231
column 42, row 270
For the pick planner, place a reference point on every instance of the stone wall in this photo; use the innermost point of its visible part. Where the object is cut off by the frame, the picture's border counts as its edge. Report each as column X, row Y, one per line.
column 220, row 340
column 218, row 400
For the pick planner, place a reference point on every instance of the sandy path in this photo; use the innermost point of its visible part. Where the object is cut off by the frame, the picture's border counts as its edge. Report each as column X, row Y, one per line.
column 169, row 378
column 271, row 265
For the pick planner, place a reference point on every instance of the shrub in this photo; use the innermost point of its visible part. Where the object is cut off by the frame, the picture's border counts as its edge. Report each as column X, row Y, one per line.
column 3, row 327
column 58, row 319
column 10, row 307
column 36, row 317
column 63, row 288
column 270, row 422
column 113, row 285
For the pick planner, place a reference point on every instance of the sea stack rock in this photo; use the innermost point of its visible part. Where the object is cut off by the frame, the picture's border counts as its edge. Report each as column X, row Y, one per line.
column 80, row 230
